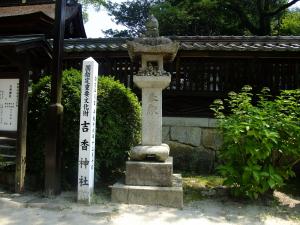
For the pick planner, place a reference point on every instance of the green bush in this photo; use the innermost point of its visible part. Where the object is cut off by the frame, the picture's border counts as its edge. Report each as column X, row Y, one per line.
column 261, row 142
column 37, row 122
column 117, row 125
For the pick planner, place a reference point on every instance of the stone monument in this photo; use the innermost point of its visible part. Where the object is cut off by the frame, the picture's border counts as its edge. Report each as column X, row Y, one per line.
column 149, row 173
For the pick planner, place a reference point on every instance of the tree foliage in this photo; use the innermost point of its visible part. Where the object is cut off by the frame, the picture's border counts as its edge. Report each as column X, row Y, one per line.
column 290, row 24
column 200, row 17
column 257, row 16
column 131, row 14
column 86, row 3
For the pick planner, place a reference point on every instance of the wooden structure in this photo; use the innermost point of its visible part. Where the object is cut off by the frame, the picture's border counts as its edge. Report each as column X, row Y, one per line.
column 19, row 17
column 205, row 68
column 54, row 19
column 53, row 148
column 20, row 56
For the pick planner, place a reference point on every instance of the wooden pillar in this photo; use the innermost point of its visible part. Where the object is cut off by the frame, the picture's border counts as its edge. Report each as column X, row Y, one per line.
column 177, row 73
column 22, row 126
column 54, row 138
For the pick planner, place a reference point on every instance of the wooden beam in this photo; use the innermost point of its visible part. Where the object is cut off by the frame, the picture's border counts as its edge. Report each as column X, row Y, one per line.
column 54, row 138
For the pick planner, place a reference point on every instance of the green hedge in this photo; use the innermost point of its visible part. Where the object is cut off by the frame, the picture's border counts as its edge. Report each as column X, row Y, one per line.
column 117, row 126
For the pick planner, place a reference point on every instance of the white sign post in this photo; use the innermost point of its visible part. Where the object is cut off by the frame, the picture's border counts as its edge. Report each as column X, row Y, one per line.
column 9, row 100
column 86, row 159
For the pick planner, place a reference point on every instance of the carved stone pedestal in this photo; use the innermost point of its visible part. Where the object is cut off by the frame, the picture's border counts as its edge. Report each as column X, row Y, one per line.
column 150, row 183
column 149, row 173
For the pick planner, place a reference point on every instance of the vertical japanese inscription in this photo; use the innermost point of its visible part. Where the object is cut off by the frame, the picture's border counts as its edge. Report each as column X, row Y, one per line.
column 87, row 130
column 9, row 99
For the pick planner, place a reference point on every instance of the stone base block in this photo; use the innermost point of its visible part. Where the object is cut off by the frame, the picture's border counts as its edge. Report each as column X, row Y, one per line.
column 149, row 173
column 150, row 195
column 142, row 152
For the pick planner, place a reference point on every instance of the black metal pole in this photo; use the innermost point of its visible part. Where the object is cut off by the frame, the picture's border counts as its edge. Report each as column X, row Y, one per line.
column 53, row 149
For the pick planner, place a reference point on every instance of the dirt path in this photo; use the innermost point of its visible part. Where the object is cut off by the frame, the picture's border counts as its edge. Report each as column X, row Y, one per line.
column 32, row 209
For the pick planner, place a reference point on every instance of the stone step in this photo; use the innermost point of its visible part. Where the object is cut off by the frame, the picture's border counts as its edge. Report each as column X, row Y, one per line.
column 7, row 147
column 145, row 173
column 7, row 152
column 150, row 195
column 7, row 163
column 7, row 141
column 7, row 156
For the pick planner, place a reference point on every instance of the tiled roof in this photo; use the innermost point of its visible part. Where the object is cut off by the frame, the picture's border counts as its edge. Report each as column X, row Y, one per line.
column 21, row 39
column 196, row 43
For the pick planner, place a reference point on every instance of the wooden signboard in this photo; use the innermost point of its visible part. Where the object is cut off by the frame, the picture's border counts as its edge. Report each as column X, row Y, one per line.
column 9, row 103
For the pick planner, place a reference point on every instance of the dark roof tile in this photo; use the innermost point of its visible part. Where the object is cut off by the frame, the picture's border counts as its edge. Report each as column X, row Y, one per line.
column 194, row 43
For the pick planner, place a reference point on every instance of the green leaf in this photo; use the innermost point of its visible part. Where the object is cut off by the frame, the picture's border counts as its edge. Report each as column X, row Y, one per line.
column 271, row 183
column 256, row 176
column 264, row 174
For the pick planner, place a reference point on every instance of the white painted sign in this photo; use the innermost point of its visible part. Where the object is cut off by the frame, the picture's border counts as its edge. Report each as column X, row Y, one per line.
column 87, row 130
column 9, row 101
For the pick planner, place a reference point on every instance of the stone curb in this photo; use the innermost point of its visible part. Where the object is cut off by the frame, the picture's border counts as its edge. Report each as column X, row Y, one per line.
column 48, row 206
column 11, row 203
column 7, row 202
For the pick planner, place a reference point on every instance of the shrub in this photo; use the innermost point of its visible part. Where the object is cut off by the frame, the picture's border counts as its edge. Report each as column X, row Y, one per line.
column 37, row 122
column 117, row 125
column 261, row 142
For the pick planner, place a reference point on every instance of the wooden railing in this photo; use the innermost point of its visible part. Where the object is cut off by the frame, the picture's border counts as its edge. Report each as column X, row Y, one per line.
column 196, row 81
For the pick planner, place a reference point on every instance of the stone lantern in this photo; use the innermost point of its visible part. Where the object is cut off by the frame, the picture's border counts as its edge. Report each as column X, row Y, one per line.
column 152, row 79
column 149, row 173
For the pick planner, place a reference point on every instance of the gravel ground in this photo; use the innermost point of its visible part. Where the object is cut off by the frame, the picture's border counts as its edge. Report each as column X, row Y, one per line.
column 33, row 209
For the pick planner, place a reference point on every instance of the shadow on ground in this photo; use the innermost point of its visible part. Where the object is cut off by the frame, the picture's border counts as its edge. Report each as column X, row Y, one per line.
column 206, row 202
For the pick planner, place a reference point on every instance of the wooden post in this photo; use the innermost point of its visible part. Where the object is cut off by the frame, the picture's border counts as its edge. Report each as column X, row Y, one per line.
column 22, row 128
column 54, row 138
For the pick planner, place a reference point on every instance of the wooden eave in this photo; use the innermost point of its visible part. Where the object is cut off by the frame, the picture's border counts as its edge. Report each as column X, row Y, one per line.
column 41, row 23
column 34, row 47
column 35, row 23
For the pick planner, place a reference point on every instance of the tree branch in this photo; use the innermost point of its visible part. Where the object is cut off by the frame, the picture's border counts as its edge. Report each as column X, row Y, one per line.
column 281, row 8
column 234, row 6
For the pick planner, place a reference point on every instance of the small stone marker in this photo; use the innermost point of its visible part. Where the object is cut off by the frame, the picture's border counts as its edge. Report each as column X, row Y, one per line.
column 86, row 159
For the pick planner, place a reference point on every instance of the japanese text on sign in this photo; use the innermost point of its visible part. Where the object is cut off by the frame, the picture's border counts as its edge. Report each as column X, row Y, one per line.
column 9, row 100
column 86, row 157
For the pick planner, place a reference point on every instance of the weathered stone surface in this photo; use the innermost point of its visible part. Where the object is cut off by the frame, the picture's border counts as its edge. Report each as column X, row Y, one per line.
column 189, row 122
column 211, row 139
column 160, row 153
column 186, row 135
column 150, row 195
column 152, row 107
column 189, row 158
column 160, row 82
column 165, row 133
column 149, row 173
